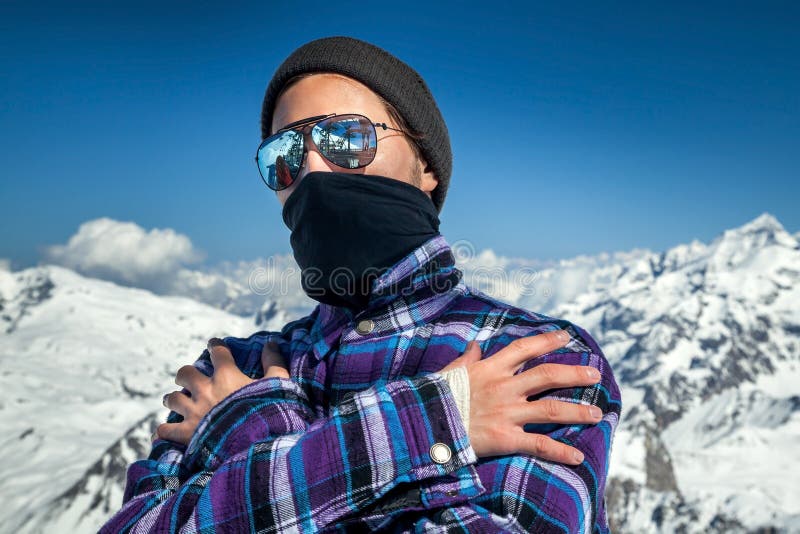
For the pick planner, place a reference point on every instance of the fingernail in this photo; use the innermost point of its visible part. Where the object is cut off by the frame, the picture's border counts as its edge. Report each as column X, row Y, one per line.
column 592, row 373
column 595, row 412
column 563, row 335
column 215, row 342
column 164, row 400
column 578, row 456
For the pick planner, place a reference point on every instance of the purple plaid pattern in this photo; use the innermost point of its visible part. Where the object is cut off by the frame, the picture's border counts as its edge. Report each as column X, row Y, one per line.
column 344, row 445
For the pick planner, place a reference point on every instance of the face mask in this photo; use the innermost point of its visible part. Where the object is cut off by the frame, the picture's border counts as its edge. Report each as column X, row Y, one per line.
column 347, row 229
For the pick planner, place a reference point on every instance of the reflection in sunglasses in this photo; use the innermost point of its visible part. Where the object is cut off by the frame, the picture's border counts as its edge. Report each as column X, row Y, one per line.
column 284, row 176
column 348, row 141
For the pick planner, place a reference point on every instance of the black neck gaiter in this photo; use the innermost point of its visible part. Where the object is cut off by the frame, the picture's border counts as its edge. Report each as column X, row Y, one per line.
column 348, row 229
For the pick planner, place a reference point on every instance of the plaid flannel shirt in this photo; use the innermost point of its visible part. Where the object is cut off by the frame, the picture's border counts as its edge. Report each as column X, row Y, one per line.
column 344, row 445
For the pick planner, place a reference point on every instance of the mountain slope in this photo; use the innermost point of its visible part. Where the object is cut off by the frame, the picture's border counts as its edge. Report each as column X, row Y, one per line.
column 704, row 339
column 81, row 360
column 706, row 343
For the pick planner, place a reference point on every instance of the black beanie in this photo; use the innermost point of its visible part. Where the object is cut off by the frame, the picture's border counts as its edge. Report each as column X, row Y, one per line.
column 392, row 79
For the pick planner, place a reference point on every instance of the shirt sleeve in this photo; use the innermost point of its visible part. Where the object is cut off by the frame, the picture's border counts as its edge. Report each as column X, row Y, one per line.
column 547, row 496
column 263, row 408
column 275, row 407
column 281, row 410
column 381, row 442
column 523, row 493
column 267, row 406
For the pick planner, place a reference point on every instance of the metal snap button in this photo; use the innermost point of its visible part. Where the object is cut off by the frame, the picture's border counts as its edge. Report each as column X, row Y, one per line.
column 365, row 326
column 440, row 453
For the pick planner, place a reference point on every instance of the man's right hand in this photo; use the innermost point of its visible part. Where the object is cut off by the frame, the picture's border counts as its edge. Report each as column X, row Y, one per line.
column 499, row 406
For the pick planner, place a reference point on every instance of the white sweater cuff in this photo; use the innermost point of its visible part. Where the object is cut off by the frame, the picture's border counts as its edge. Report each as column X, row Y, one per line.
column 458, row 380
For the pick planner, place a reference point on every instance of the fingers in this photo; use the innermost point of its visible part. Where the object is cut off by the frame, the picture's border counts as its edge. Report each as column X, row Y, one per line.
column 555, row 411
column 273, row 362
column 221, row 356
column 178, row 432
column 190, row 377
column 554, row 375
column 178, row 402
column 472, row 354
column 547, row 448
column 519, row 351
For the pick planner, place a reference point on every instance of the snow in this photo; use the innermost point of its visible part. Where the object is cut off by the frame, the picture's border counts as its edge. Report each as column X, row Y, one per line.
column 745, row 464
column 628, row 450
column 65, row 369
column 703, row 338
column 697, row 335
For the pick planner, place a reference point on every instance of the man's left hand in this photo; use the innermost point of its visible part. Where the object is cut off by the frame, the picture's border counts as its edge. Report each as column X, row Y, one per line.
column 206, row 392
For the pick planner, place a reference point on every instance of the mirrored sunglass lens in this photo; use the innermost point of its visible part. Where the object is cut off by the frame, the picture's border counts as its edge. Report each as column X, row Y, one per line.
column 347, row 141
column 279, row 159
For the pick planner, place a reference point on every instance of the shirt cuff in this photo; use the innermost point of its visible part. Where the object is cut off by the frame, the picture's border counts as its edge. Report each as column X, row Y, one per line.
column 425, row 427
column 457, row 479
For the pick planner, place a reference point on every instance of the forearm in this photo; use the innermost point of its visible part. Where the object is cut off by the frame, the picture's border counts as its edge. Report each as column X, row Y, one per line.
column 373, row 442
column 265, row 408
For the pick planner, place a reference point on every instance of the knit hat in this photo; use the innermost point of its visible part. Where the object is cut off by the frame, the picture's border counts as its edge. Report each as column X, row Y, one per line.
column 391, row 78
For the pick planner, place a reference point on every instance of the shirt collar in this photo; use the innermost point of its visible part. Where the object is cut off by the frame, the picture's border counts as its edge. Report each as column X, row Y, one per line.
column 413, row 291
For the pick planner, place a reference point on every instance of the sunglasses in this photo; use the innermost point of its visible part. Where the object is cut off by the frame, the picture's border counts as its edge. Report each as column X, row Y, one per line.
column 348, row 141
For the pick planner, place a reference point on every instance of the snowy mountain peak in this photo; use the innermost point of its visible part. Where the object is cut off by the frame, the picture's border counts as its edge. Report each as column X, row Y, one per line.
column 762, row 231
column 764, row 222
column 760, row 241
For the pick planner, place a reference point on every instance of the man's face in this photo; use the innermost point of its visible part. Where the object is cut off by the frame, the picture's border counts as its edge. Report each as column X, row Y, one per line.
column 324, row 93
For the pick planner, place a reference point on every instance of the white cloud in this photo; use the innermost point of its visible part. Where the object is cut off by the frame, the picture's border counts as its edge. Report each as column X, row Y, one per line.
column 160, row 260
column 538, row 285
column 126, row 253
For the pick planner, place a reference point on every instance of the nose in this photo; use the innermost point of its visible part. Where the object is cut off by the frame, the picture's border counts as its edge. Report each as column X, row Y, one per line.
column 314, row 162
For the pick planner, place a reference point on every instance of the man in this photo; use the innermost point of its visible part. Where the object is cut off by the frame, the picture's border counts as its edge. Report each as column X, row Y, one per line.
column 405, row 401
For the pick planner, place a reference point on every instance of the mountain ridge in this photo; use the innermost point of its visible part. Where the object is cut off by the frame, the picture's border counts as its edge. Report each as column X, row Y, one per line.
column 703, row 338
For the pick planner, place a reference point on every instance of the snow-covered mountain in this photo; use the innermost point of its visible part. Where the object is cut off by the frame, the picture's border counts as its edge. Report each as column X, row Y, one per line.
column 81, row 360
column 704, row 339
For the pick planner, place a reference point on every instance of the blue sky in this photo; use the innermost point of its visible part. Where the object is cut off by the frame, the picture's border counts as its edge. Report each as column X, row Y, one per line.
column 575, row 130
